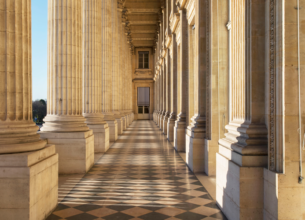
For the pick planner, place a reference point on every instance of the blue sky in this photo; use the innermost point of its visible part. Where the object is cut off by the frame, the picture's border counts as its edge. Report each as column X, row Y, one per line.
column 39, row 48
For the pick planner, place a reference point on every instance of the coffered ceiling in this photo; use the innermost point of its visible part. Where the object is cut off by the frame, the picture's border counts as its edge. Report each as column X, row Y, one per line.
column 143, row 18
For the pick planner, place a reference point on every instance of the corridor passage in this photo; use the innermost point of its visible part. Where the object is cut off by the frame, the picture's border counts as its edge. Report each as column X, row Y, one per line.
column 140, row 177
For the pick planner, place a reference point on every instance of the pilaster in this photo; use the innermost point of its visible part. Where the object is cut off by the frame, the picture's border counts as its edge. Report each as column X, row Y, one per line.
column 243, row 152
column 196, row 131
column 180, row 124
column 173, row 89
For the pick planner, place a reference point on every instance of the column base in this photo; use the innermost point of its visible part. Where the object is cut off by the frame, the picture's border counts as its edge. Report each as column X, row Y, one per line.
column 127, row 120
column 124, row 123
column 101, row 137
column 194, row 149
column 75, row 150
column 179, row 136
column 161, row 122
column 170, row 129
column 113, row 130
column 120, row 125
column 29, row 184
column 239, row 190
column 165, row 121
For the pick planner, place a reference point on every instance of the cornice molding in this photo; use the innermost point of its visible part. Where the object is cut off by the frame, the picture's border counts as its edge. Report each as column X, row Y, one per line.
column 143, row 10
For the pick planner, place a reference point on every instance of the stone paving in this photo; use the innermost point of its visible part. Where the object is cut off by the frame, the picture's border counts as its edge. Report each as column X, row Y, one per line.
column 140, row 177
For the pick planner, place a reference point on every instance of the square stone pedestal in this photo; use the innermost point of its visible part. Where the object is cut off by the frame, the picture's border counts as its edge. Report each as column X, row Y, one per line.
column 127, row 121
column 239, row 190
column 170, row 130
column 124, row 121
column 120, row 125
column 179, row 136
column 101, row 137
column 194, row 150
column 28, row 184
column 165, row 121
column 75, row 150
column 113, row 130
column 161, row 123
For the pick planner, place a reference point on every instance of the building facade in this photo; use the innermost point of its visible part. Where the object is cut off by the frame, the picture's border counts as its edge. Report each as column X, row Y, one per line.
column 228, row 82
column 222, row 79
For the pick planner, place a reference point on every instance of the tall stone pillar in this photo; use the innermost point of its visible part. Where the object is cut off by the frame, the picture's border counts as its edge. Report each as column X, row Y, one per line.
column 180, row 124
column 173, row 90
column 117, row 12
column 106, row 68
column 165, row 79
column 25, row 160
column 196, row 131
column 162, row 96
column 92, row 74
column 123, row 65
column 168, row 65
column 109, row 19
column 161, row 77
column 64, row 124
column 158, row 98
column 243, row 152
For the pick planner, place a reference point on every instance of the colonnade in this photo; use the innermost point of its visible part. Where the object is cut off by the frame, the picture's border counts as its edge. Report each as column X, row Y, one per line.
column 228, row 93
column 89, row 98
column 86, row 69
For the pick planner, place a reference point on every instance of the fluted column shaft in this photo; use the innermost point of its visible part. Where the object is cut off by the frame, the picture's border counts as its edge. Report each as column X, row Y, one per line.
column 92, row 77
column 183, row 67
column 202, row 70
column 120, row 60
column 247, row 95
column 64, row 68
column 115, row 56
column 168, row 83
column 106, row 58
column 174, row 80
column 18, row 132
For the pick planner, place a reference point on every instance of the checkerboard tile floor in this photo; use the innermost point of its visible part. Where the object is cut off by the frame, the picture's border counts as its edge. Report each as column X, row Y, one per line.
column 140, row 177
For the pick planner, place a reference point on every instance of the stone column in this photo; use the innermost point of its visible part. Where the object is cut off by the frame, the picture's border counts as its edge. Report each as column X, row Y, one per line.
column 173, row 90
column 26, row 160
column 162, row 97
column 165, row 114
column 196, row 131
column 123, row 67
column 180, row 124
column 161, row 77
column 109, row 20
column 64, row 124
column 106, row 67
column 92, row 74
column 217, row 82
column 158, row 98
column 243, row 152
column 117, row 62
column 168, row 65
